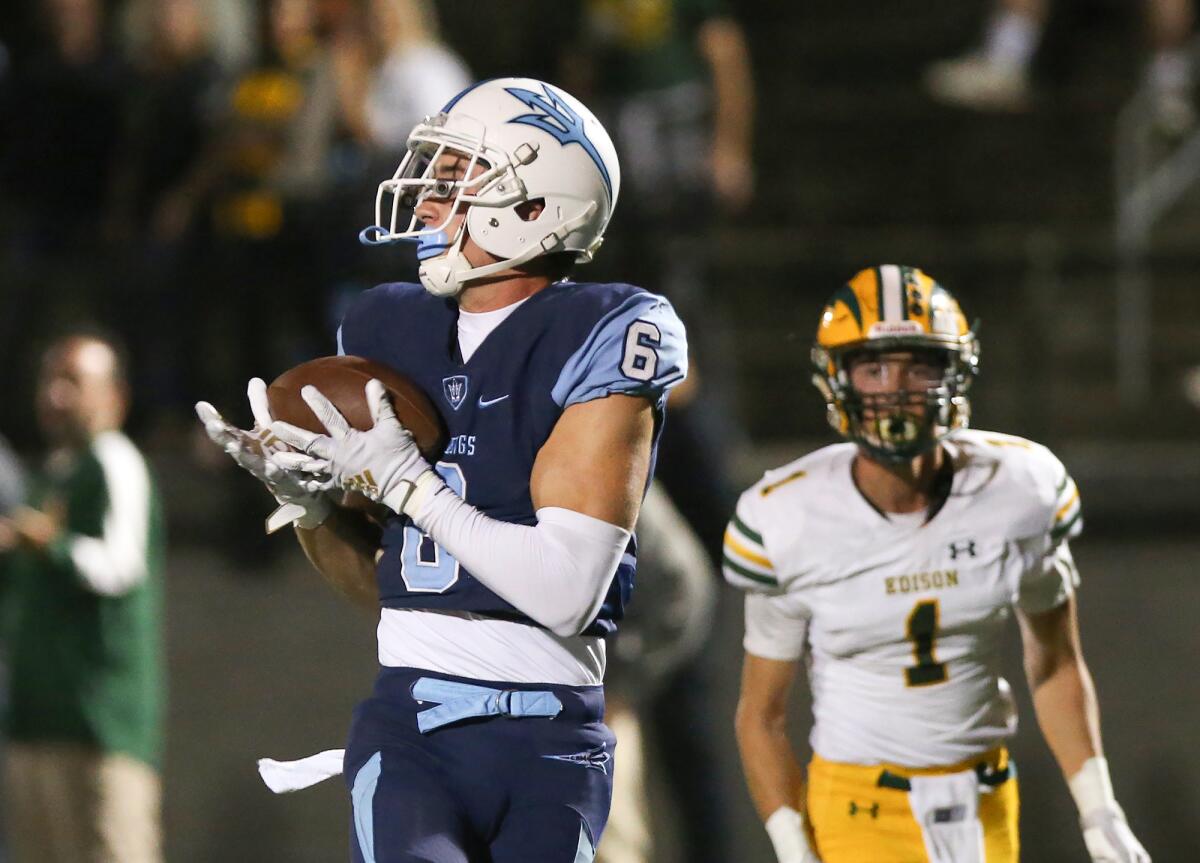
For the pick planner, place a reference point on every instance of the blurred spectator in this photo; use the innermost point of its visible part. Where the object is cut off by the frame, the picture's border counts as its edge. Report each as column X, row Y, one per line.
column 664, row 629
column 12, row 479
column 680, row 74
column 996, row 76
column 272, row 221
column 417, row 73
column 283, row 120
column 234, row 37
column 58, row 139
column 83, row 584
column 163, row 172
column 274, row 167
column 66, row 104
column 1191, row 386
column 168, row 117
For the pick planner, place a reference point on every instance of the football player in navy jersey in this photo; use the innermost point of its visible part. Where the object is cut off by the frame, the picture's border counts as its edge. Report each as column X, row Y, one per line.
column 503, row 566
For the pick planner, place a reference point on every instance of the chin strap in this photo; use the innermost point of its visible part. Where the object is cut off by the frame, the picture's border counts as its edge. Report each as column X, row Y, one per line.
column 446, row 274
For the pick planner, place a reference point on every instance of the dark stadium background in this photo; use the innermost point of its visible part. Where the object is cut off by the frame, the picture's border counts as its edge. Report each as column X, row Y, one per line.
column 856, row 166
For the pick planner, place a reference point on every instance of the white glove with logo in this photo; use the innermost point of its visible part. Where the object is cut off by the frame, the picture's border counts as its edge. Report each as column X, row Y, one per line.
column 383, row 463
column 250, row 449
column 1105, row 831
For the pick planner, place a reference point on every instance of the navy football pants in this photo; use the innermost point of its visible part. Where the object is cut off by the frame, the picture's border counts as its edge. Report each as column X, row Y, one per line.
column 482, row 790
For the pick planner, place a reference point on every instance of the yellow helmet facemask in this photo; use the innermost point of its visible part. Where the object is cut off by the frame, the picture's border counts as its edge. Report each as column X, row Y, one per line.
column 889, row 310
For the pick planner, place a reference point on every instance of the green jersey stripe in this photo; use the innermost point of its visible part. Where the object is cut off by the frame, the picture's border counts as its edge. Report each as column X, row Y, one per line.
column 1065, row 528
column 745, row 530
column 846, row 294
column 749, row 573
column 879, row 293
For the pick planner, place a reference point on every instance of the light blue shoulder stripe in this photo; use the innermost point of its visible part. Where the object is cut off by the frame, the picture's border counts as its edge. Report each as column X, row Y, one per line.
column 362, row 796
column 613, row 358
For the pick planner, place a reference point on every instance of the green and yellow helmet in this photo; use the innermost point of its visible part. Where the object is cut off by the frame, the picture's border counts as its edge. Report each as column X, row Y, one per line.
column 888, row 309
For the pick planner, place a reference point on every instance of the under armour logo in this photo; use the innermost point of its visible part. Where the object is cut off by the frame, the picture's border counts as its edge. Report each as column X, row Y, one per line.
column 872, row 810
column 966, row 548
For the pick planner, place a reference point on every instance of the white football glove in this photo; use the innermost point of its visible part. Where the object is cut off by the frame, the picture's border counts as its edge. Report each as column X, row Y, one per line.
column 789, row 838
column 1105, row 831
column 250, row 448
column 382, row 464
column 1109, row 839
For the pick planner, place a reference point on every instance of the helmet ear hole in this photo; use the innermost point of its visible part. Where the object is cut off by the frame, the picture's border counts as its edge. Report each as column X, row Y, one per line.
column 529, row 211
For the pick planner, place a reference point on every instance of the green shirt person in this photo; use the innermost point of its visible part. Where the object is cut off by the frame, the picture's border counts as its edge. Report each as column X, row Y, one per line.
column 82, row 583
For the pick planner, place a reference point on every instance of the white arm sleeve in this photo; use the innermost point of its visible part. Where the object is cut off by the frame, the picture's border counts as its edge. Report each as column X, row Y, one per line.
column 773, row 630
column 115, row 561
column 557, row 571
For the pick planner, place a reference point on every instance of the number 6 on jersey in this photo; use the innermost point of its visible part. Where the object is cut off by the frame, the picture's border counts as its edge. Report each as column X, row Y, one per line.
column 641, row 359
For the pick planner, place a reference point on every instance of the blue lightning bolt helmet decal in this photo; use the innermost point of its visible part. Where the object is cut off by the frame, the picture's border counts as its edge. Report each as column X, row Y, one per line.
column 555, row 117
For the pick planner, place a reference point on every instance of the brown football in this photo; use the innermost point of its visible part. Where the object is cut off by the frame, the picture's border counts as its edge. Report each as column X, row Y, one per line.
column 343, row 380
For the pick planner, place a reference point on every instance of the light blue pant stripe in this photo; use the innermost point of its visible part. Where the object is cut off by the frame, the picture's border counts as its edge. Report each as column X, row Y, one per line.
column 585, row 853
column 362, row 795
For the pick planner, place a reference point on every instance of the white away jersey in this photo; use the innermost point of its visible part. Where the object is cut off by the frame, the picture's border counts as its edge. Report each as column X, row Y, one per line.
column 903, row 618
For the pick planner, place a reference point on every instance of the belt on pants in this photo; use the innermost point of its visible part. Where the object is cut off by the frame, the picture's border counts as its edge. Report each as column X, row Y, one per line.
column 988, row 776
column 459, row 701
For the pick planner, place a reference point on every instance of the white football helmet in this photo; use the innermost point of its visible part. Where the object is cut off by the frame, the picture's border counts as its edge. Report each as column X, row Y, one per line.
column 534, row 142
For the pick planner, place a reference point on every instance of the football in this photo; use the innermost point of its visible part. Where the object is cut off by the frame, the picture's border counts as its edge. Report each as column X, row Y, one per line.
column 342, row 380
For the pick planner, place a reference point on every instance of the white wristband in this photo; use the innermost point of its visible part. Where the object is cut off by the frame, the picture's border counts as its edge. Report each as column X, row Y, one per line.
column 413, row 499
column 1092, row 787
column 785, row 826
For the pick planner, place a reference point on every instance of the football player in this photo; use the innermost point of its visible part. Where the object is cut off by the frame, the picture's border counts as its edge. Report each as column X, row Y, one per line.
column 893, row 561
column 504, row 565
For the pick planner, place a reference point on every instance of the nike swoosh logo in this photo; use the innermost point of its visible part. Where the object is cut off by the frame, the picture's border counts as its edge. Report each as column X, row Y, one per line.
column 489, row 402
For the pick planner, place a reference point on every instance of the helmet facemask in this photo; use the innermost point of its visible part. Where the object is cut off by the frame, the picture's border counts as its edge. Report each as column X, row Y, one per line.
column 896, row 424
column 490, row 203
column 488, row 179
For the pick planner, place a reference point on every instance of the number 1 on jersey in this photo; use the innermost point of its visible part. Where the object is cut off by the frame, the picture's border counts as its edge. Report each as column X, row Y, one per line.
column 922, row 632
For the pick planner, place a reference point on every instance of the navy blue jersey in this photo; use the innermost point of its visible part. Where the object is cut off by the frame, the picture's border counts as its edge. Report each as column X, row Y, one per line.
column 567, row 344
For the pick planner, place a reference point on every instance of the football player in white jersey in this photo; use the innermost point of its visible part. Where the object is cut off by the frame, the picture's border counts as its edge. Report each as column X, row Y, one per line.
column 892, row 563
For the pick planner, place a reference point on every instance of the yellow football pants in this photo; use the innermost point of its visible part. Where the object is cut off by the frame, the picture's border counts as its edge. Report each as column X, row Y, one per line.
column 854, row 820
